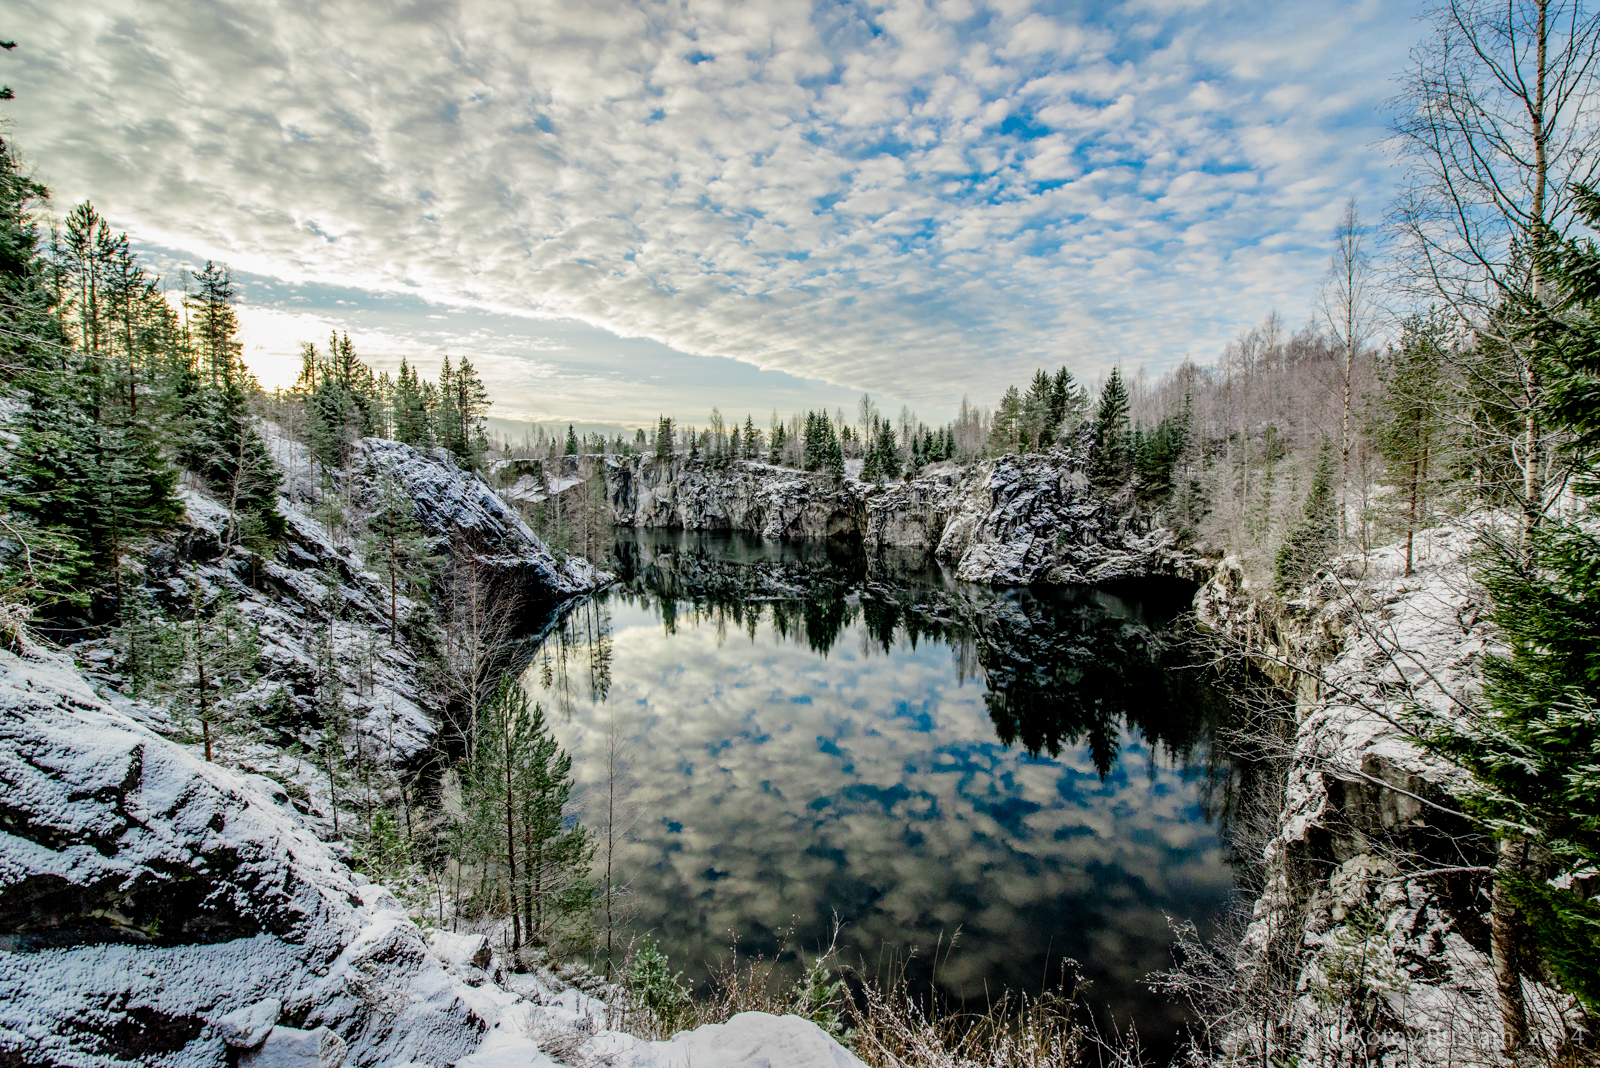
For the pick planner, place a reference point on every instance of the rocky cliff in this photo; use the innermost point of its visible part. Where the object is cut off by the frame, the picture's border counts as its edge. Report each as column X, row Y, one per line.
column 1371, row 930
column 1011, row 521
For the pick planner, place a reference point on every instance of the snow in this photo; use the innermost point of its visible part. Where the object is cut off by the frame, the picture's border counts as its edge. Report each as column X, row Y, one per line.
column 1380, row 642
column 248, row 1027
column 291, row 1047
column 752, row 1040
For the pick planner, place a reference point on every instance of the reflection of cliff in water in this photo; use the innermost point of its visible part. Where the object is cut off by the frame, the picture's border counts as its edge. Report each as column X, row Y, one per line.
column 1061, row 667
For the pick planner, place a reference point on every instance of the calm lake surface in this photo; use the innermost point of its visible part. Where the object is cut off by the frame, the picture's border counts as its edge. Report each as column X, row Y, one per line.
column 811, row 734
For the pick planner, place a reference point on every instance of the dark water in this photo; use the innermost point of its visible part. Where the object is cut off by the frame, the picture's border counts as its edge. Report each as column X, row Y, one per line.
column 809, row 733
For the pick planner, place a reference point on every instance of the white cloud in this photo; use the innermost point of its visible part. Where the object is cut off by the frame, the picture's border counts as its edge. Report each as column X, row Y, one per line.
column 768, row 182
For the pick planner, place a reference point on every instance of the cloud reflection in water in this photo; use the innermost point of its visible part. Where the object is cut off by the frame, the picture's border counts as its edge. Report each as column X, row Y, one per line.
column 780, row 779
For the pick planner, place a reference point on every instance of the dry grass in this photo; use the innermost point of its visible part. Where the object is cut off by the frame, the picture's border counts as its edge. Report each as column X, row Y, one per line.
column 885, row 1022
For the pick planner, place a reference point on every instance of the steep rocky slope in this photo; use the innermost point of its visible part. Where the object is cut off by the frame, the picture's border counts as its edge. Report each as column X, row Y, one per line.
column 156, row 909
column 160, row 909
column 1011, row 521
column 460, row 508
column 1373, row 921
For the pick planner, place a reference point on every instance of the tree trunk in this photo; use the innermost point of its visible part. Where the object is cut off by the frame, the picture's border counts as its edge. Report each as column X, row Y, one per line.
column 394, row 568
column 205, row 712
column 511, row 854
column 1504, row 934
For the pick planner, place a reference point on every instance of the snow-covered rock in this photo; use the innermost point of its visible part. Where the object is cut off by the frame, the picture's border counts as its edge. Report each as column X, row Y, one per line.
column 291, row 1047
column 248, row 1027
column 1012, row 521
column 147, row 897
column 753, row 1040
column 461, row 508
column 1365, row 810
column 159, row 910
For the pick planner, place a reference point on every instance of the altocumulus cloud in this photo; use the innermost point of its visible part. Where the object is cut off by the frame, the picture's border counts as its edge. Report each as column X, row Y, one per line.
column 916, row 199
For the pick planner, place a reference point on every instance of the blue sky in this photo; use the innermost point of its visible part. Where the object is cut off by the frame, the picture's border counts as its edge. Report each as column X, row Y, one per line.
column 624, row 208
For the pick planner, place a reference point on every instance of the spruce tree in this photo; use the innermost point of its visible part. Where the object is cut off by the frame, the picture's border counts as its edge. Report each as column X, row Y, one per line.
column 1315, row 538
column 86, row 474
column 1067, row 399
column 779, row 440
column 752, row 439
column 886, row 452
column 1532, row 737
column 211, row 655
column 664, row 443
column 215, row 325
column 572, row 441
column 1005, row 429
column 1111, row 462
column 1038, row 421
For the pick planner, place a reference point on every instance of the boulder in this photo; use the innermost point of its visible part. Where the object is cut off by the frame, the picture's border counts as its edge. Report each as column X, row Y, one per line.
column 154, row 907
column 290, row 1047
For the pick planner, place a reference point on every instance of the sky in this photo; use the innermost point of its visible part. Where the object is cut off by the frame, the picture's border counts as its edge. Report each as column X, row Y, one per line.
column 620, row 210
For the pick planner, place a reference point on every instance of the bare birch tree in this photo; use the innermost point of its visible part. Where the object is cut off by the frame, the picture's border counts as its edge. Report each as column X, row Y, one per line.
column 1346, row 304
column 478, row 620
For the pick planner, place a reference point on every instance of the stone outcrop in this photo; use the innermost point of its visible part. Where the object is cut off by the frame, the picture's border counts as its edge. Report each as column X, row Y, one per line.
column 1015, row 520
column 1373, row 889
column 461, row 509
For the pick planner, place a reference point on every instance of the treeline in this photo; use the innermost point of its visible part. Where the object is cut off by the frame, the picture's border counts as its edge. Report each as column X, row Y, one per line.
column 342, row 400
column 114, row 394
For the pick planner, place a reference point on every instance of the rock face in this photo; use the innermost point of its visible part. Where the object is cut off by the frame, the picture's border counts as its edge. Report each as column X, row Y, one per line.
column 156, row 909
column 460, row 508
column 1012, row 521
column 146, row 894
column 1393, row 961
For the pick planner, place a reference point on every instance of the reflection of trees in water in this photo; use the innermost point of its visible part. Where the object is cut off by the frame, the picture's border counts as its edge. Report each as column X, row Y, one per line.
column 1060, row 668
column 581, row 638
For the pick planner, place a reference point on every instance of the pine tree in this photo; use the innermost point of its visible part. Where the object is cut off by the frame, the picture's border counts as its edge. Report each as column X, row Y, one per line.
column 572, row 441
column 518, row 785
column 470, row 401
